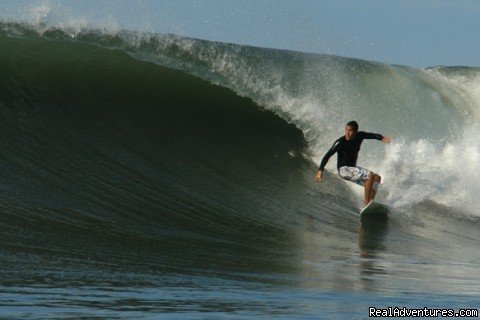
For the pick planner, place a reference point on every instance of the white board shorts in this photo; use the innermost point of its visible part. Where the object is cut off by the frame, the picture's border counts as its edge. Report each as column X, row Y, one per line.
column 354, row 174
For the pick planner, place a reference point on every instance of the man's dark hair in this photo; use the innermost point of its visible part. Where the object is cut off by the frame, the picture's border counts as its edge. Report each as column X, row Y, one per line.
column 354, row 125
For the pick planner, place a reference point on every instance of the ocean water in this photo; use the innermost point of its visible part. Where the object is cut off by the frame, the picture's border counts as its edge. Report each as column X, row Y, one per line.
column 155, row 176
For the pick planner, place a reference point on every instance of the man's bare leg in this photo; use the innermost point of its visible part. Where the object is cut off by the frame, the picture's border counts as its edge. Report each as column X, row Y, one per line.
column 368, row 188
column 370, row 191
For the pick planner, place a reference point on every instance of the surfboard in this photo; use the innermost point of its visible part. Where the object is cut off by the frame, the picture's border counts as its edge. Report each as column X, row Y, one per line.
column 373, row 209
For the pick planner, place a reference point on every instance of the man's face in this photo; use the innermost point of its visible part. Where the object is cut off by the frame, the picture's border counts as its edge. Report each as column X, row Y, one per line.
column 350, row 133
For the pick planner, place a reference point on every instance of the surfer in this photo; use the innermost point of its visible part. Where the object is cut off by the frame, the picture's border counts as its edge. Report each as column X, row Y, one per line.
column 347, row 148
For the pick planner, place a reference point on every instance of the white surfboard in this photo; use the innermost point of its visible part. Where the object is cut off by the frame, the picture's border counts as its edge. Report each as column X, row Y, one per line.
column 374, row 208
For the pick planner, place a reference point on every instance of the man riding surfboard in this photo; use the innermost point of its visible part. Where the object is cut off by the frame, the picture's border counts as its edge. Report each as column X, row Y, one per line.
column 347, row 148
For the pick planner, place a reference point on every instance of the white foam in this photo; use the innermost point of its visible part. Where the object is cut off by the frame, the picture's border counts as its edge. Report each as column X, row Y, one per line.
column 415, row 171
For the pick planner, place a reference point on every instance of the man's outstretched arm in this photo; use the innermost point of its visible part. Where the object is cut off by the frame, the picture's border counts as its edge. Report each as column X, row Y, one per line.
column 384, row 139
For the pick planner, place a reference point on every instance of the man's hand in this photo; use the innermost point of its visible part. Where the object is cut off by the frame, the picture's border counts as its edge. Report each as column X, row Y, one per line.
column 387, row 139
column 319, row 176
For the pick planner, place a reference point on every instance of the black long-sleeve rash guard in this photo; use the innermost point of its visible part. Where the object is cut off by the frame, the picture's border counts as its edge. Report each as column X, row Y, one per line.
column 348, row 149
